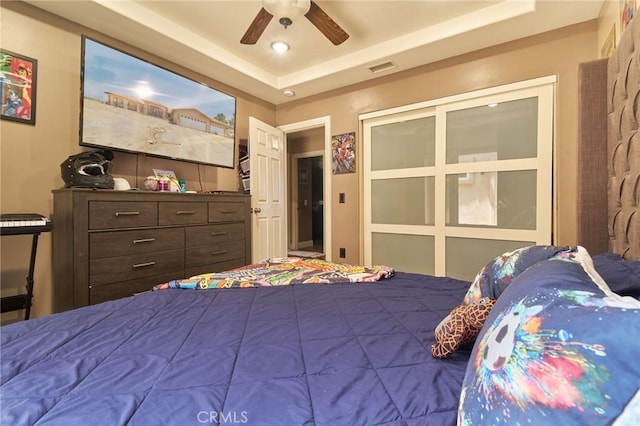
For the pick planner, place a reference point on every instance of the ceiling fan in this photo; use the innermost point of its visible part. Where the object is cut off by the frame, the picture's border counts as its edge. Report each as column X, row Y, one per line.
column 286, row 11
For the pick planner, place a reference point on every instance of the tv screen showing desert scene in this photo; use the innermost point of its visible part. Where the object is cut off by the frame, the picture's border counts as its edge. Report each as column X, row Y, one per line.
column 131, row 105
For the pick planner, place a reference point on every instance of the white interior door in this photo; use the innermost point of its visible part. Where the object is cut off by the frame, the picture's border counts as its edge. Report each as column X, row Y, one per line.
column 268, row 198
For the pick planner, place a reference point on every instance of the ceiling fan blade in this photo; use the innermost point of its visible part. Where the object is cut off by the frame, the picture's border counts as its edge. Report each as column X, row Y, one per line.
column 257, row 27
column 326, row 25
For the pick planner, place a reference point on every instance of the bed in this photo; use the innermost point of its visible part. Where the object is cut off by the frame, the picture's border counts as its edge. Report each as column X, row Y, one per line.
column 543, row 335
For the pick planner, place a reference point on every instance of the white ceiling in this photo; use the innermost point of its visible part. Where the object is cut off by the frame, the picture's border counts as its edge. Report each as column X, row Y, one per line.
column 205, row 36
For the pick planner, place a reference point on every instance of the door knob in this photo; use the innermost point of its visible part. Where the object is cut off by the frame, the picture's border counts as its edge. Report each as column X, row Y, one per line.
column 256, row 210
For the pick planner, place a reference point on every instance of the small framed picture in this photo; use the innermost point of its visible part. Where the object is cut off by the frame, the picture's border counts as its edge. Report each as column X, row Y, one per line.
column 609, row 45
column 168, row 176
column 19, row 77
column 627, row 9
column 343, row 148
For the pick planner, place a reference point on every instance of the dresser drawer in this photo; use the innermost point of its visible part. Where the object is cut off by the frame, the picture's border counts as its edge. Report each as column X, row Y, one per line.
column 226, row 212
column 212, row 234
column 127, row 243
column 122, row 268
column 102, row 293
column 122, row 214
column 178, row 213
column 213, row 253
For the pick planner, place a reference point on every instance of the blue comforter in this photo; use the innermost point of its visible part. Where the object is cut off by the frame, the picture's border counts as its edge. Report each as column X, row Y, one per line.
column 332, row 354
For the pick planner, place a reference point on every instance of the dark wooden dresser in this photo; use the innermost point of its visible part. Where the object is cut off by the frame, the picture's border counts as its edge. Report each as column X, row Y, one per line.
column 111, row 244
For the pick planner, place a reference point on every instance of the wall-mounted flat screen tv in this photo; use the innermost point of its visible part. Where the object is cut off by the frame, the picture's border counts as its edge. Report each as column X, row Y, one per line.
column 129, row 104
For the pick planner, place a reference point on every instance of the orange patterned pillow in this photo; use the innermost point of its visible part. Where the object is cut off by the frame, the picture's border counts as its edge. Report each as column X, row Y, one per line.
column 462, row 325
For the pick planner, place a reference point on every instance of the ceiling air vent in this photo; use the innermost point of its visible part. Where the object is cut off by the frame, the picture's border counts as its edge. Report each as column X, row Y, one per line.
column 385, row 66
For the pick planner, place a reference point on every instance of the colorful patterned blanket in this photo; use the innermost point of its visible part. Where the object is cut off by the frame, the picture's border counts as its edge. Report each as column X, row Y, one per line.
column 282, row 271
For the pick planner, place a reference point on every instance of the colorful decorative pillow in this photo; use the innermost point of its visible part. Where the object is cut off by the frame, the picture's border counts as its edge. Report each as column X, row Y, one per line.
column 461, row 326
column 623, row 276
column 496, row 275
column 555, row 349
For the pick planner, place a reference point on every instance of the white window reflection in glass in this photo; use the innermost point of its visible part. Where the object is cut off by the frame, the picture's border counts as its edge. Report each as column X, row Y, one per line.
column 478, row 193
column 515, row 208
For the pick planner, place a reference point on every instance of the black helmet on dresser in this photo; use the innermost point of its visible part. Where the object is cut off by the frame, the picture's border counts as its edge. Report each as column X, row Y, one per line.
column 88, row 170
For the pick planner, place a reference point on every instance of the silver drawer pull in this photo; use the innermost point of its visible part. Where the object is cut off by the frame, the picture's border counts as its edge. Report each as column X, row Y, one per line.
column 127, row 213
column 143, row 265
column 215, row 234
column 218, row 252
column 185, row 212
column 144, row 240
column 228, row 211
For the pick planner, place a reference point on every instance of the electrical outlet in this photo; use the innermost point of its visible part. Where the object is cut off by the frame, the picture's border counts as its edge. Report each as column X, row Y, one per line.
column 343, row 252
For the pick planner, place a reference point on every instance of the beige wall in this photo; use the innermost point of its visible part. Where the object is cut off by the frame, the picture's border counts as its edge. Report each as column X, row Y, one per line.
column 30, row 155
column 553, row 53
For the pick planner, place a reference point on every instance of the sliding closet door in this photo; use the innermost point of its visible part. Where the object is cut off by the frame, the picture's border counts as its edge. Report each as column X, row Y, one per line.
column 401, row 212
column 451, row 183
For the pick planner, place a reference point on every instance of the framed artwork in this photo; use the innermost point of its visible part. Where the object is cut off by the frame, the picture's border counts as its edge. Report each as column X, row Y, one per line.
column 343, row 150
column 170, row 177
column 627, row 7
column 18, row 74
column 609, row 45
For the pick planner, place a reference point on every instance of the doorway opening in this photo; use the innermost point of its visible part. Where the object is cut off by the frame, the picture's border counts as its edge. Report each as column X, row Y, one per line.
column 307, row 204
column 309, row 140
column 306, row 193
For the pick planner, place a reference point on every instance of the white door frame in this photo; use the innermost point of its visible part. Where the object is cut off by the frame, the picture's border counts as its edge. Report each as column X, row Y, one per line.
column 327, row 166
column 293, row 166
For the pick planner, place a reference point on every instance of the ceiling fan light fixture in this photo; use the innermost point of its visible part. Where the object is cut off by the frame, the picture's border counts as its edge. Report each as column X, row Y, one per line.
column 280, row 46
column 287, row 8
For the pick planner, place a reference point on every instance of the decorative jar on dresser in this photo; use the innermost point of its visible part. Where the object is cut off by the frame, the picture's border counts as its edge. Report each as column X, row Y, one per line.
column 111, row 244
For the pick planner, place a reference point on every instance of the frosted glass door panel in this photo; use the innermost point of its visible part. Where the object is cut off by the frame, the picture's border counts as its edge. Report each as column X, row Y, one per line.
column 403, row 145
column 466, row 256
column 407, row 201
column 494, row 199
column 509, row 129
column 469, row 174
column 403, row 252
